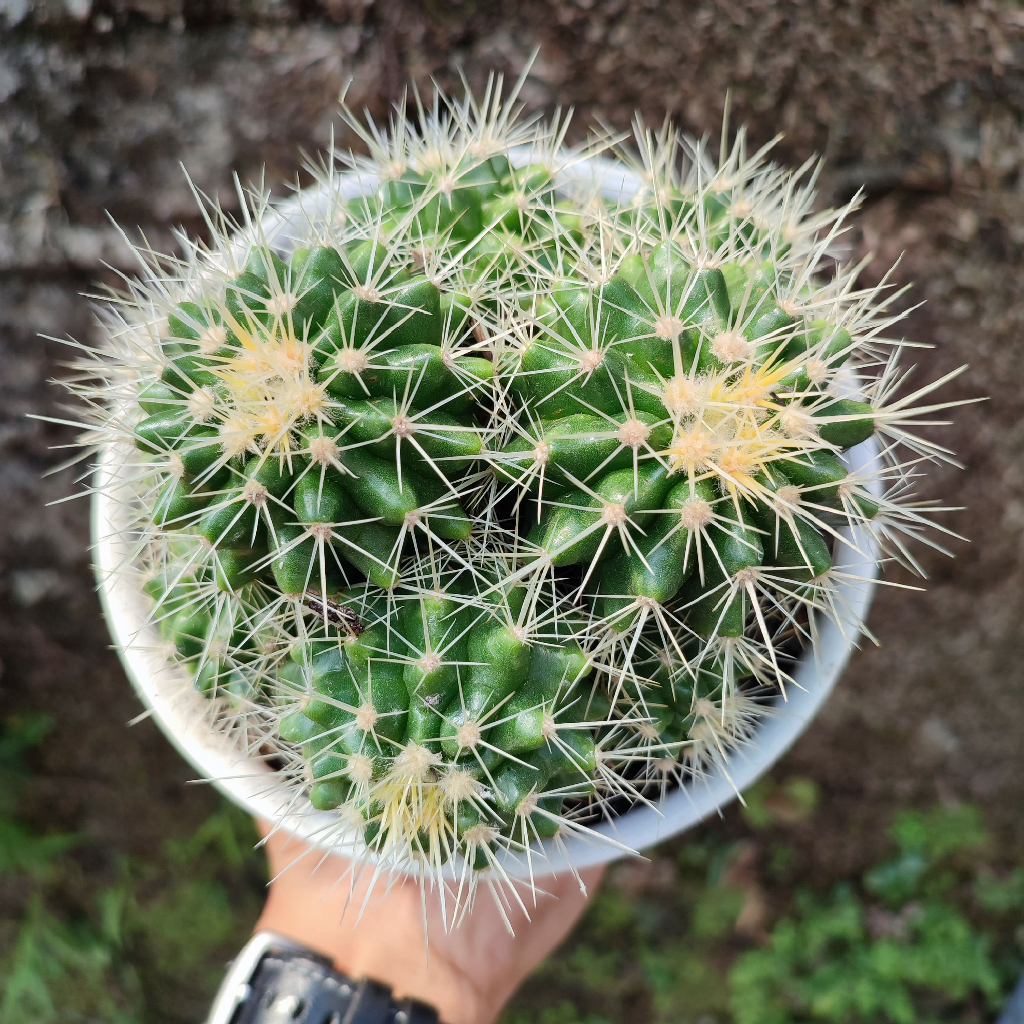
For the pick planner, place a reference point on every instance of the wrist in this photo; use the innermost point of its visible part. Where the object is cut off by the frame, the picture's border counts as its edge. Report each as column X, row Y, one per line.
column 375, row 926
column 383, row 941
column 273, row 980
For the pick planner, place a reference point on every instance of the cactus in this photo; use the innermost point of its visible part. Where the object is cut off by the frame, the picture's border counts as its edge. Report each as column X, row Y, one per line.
column 493, row 503
column 687, row 380
column 449, row 715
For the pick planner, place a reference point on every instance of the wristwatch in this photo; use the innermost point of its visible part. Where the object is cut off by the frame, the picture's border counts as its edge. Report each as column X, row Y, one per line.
column 275, row 980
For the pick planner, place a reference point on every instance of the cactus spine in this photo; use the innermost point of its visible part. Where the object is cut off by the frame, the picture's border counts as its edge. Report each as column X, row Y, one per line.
column 487, row 497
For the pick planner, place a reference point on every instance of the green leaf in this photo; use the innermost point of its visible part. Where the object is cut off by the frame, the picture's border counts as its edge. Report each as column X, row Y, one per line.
column 21, row 850
column 897, row 880
column 59, row 973
column 941, row 832
column 1000, row 895
column 716, row 910
column 228, row 834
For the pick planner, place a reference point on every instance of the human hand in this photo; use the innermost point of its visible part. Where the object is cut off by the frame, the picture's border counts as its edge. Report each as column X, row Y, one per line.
column 467, row 974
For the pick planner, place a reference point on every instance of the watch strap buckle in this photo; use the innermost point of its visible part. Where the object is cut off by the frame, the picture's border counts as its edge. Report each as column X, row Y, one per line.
column 235, row 988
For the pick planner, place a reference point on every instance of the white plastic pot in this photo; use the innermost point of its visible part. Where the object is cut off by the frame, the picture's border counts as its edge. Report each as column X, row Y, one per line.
column 185, row 717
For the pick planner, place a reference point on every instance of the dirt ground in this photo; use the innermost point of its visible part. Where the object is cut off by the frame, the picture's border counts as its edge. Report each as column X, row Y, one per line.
column 919, row 101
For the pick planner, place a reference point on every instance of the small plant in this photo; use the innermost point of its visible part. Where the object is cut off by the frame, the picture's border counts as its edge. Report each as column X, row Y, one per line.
column 672, row 942
column 143, row 945
column 846, row 957
column 486, row 493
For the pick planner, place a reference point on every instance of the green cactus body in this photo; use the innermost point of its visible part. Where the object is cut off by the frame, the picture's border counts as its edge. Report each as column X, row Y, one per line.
column 382, row 701
column 312, row 415
column 488, row 499
column 718, row 342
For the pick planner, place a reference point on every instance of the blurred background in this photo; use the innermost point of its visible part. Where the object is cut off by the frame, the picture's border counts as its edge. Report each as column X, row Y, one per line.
column 879, row 874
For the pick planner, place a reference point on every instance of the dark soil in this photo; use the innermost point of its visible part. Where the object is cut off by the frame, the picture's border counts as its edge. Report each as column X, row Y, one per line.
column 919, row 101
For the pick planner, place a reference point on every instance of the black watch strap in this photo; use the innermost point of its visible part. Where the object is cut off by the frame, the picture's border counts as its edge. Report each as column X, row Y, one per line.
column 277, row 981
